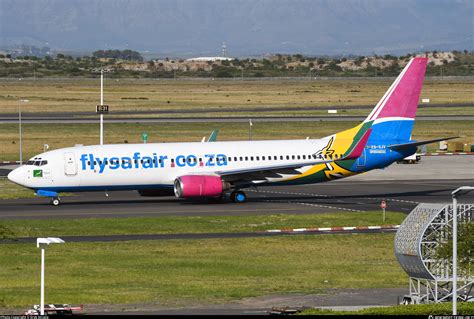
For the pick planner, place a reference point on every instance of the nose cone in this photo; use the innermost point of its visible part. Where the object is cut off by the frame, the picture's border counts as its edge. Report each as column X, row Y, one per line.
column 16, row 176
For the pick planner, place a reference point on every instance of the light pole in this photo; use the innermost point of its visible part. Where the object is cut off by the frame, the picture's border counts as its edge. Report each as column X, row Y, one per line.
column 42, row 243
column 19, row 122
column 455, row 194
column 101, row 103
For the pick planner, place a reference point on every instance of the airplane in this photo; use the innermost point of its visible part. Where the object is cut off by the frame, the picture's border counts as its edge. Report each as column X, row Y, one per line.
column 221, row 168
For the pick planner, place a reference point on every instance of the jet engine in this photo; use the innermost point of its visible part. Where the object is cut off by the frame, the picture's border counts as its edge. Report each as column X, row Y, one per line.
column 199, row 186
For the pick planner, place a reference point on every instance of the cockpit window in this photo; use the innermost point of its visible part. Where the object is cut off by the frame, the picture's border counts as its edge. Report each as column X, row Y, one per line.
column 37, row 162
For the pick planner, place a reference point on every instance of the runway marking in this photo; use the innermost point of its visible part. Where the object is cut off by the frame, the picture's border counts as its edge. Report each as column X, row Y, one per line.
column 335, row 196
column 289, row 193
column 332, row 229
column 316, row 205
column 390, row 199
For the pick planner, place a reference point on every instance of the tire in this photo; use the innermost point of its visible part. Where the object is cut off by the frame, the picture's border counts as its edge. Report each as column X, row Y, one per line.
column 55, row 201
column 238, row 197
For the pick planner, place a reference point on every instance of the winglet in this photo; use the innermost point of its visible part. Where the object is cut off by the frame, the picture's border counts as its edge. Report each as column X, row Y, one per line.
column 359, row 147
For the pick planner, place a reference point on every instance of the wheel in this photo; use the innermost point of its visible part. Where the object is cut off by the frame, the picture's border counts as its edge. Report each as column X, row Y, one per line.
column 55, row 201
column 238, row 197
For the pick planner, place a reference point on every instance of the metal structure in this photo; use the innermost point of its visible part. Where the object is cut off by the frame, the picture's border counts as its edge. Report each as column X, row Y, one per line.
column 224, row 50
column 43, row 243
column 416, row 244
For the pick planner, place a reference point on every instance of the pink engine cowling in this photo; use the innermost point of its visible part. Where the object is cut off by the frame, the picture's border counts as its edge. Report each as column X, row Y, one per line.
column 199, row 186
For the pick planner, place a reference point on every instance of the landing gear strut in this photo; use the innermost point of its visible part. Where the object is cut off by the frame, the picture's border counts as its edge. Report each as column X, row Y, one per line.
column 238, row 196
column 55, row 201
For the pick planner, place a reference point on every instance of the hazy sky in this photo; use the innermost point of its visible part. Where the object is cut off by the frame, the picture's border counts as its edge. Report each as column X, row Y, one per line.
column 187, row 27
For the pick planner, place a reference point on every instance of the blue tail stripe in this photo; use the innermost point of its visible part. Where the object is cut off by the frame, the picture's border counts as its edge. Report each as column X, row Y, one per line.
column 394, row 130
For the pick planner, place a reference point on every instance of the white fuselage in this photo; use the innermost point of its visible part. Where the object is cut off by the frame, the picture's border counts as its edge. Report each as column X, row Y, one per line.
column 132, row 166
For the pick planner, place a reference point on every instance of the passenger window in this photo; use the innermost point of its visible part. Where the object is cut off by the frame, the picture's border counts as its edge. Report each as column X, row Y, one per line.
column 229, row 159
column 258, row 158
column 263, row 158
column 299, row 157
column 304, row 156
column 246, row 158
column 287, row 157
column 251, row 158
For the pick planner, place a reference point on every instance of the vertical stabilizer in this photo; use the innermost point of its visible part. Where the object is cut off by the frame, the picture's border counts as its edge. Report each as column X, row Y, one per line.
column 393, row 116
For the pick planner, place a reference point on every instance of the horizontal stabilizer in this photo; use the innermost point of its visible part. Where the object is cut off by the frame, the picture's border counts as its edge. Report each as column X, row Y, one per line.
column 418, row 143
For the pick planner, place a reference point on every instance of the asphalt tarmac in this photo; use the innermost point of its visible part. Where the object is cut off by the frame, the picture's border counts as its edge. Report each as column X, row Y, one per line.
column 343, row 196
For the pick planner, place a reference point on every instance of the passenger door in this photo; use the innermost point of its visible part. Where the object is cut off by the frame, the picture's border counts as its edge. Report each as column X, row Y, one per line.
column 70, row 165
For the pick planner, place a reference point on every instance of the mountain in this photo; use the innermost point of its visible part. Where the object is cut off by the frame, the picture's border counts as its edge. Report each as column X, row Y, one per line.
column 191, row 27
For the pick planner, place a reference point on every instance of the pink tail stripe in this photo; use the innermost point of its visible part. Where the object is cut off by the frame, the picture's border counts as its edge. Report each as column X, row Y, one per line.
column 401, row 99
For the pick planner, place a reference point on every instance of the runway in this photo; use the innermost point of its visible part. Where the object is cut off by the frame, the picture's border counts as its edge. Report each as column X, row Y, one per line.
column 343, row 196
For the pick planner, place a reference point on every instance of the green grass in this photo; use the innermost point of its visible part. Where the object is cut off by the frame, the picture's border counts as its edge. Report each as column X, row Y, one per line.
column 198, row 224
column 176, row 272
column 9, row 190
column 35, row 135
column 464, row 308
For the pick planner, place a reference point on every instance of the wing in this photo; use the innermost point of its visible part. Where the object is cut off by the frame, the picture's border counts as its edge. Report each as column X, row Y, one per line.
column 261, row 174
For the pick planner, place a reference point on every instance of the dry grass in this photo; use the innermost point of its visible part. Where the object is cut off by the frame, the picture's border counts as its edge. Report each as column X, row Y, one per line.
column 65, row 135
column 81, row 95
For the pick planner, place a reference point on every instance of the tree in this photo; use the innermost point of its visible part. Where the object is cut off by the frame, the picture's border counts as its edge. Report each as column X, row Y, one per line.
column 465, row 247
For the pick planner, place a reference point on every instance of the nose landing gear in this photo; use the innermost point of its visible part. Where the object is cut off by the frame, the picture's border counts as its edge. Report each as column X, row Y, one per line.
column 55, row 201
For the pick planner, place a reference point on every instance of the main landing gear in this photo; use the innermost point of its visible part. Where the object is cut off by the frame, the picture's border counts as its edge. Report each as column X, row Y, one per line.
column 238, row 197
column 55, row 201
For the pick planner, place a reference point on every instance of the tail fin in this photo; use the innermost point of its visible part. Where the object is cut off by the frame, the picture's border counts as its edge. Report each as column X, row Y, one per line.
column 393, row 117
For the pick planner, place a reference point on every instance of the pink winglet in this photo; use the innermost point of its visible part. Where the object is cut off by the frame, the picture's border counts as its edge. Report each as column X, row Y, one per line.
column 401, row 100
